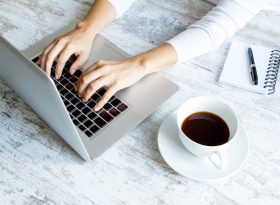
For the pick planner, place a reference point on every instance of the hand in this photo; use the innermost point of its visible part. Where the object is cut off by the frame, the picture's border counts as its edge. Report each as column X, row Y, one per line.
column 77, row 42
column 115, row 75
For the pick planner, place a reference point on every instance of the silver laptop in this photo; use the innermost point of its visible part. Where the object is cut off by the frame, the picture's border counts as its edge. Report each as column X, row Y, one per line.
column 89, row 133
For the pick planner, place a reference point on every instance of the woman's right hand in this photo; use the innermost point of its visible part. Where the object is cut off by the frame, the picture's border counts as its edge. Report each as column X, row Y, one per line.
column 77, row 42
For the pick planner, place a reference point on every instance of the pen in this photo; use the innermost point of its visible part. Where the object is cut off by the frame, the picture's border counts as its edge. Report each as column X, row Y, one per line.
column 253, row 69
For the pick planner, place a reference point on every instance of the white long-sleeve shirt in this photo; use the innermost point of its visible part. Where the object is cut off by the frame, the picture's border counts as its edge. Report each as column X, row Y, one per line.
column 210, row 31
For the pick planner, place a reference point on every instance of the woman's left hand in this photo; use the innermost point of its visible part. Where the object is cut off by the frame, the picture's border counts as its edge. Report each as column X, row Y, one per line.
column 114, row 75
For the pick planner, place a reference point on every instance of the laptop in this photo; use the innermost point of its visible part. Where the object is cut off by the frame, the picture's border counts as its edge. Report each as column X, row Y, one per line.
column 89, row 133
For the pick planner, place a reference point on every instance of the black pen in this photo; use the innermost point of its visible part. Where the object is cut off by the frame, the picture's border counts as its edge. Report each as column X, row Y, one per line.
column 253, row 69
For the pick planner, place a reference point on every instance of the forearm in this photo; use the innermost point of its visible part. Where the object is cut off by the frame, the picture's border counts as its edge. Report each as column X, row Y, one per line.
column 156, row 59
column 101, row 13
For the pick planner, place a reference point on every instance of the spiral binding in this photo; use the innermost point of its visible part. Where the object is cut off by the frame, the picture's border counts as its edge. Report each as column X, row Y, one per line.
column 272, row 71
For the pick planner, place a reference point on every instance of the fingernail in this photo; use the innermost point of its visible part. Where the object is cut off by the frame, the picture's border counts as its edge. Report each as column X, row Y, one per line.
column 57, row 77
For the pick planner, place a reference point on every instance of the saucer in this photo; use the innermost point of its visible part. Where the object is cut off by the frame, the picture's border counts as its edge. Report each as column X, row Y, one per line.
column 198, row 168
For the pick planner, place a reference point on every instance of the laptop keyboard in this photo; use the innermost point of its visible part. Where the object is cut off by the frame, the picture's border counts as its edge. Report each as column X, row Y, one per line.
column 81, row 113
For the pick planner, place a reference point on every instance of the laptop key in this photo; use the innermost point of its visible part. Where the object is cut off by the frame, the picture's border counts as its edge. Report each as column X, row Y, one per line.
column 75, row 101
column 122, row 107
column 91, row 104
column 107, row 106
column 59, row 87
column 86, row 110
column 92, row 115
column 82, row 127
column 63, row 91
column 100, row 122
column 73, row 79
column 76, row 122
column 94, row 129
column 107, row 117
column 67, row 75
column 82, row 118
column 64, row 82
column 69, row 96
column 76, row 113
column 70, row 86
column 88, row 123
column 35, row 59
column 95, row 97
column 80, row 105
column 114, row 112
column 88, row 133
column 70, row 108
column 101, row 91
column 78, row 73
column 66, row 102
column 116, row 102
column 67, row 66
column 53, row 73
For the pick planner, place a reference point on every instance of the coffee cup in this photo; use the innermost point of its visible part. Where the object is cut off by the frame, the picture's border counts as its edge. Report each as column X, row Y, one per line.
column 219, row 110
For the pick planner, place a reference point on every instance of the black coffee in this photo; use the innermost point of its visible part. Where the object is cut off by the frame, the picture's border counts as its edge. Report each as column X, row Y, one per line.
column 206, row 128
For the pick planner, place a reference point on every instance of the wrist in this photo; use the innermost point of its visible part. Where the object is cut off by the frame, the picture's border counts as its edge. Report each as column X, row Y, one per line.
column 157, row 59
column 86, row 28
column 142, row 64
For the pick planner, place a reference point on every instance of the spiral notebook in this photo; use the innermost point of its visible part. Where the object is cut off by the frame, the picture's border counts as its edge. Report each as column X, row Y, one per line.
column 236, row 70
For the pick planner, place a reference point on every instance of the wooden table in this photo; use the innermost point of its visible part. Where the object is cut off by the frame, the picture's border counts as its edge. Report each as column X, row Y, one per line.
column 38, row 167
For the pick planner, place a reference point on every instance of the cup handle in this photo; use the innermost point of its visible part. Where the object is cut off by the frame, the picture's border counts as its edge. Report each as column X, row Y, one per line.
column 219, row 159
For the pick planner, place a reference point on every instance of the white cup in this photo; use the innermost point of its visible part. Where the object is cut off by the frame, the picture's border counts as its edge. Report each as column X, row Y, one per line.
column 216, row 154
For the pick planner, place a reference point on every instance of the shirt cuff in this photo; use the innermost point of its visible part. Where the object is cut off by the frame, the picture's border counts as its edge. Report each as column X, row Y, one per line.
column 187, row 44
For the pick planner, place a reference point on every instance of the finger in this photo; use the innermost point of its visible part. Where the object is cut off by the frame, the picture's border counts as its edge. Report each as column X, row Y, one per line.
column 93, row 87
column 100, row 63
column 62, row 59
column 78, row 63
column 52, row 55
column 43, row 56
column 105, row 98
column 85, row 80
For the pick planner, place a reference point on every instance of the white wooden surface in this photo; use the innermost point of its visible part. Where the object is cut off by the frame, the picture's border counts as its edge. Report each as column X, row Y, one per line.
column 37, row 167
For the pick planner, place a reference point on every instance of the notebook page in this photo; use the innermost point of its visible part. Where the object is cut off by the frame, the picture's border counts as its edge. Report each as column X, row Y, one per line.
column 236, row 71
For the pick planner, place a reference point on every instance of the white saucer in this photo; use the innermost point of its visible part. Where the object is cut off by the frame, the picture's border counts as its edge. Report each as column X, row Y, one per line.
column 186, row 164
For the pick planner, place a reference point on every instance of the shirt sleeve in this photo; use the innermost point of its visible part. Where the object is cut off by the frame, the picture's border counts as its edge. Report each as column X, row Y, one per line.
column 121, row 5
column 214, row 28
